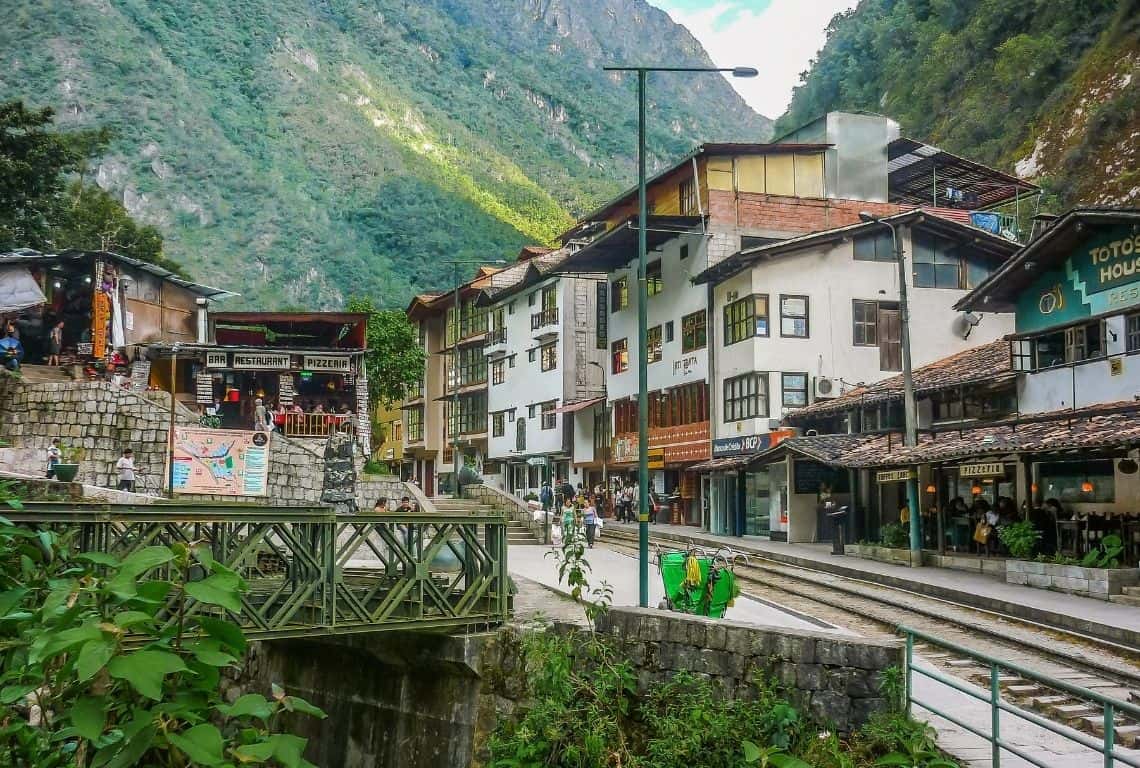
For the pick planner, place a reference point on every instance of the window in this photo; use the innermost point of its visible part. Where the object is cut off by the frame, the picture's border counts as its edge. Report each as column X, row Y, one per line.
column 549, row 356
column 937, row 261
column 549, row 417
column 684, row 251
column 498, row 372
column 1070, row 345
column 414, row 417
column 653, row 343
column 510, row 308
column 511, row 415
column 472, row 366
column 678, row 406
column 472, row 415
column 746, row 318
column 530, row 298
column 1132, row 330
column 498, row 424
column 625, row 416
column 653, row 282
column 397, row 430
column 619, row 294
column 1064, row 481
column 864, row 320
column 668, row 331
column 530, row 355
column 793, row 389
column 694, row 331
column 876, row 247
column 794, row 316
column 511, row 361
column 687, row 192
column 619, row 356
column 531, row 410
column 746, row 397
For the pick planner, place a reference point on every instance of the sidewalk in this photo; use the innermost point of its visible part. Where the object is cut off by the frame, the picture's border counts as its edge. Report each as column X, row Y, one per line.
column 1110, row 621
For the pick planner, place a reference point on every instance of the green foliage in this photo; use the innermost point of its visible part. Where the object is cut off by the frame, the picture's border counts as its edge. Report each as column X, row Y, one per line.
column 1020, row 538
column 94, row 672
column 305, row 152
column 894, row 536
column 373, row 467
column 1057, row 559
column 1106, row 554
column 574, row 571
column 395, row 358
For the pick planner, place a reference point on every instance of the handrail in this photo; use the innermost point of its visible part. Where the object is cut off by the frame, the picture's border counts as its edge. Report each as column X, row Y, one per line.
column 1110, row 706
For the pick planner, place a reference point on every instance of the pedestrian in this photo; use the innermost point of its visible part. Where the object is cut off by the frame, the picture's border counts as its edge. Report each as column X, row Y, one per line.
column 590, row 518
column 567, row 518
column 546, row 495
column 55, row 456
column 260, row 416
column 55, row 343
column 126, row 468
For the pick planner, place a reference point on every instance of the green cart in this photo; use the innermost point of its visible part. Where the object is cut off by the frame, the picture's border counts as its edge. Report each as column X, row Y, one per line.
column 699, row 581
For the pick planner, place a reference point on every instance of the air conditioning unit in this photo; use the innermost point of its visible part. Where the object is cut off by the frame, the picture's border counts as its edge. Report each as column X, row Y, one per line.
column 826, row 388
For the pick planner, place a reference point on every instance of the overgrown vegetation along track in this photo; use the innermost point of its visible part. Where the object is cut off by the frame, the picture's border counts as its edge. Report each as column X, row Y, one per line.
column 873, row 609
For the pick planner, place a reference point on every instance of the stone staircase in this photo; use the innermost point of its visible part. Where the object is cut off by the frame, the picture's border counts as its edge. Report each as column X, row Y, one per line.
column 44, row 374
column 517, row 533
column 1127, row 596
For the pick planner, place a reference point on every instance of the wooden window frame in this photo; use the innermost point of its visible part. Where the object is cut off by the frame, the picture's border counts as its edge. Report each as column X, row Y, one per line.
column 615, row 367
column 693, row 325
column 654, row 280
column 548, row 356
column 653, row 345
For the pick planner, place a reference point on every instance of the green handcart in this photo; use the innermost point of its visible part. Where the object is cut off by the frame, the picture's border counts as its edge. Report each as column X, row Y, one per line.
column 699, row 581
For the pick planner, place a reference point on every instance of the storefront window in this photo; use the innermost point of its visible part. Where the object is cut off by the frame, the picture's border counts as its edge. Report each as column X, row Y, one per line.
column 1066, row 481
column 757, row 509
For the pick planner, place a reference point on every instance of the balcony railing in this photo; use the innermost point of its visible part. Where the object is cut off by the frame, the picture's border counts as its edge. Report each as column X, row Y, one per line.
column 543, row 318
column 315, row 424
column 496, row 336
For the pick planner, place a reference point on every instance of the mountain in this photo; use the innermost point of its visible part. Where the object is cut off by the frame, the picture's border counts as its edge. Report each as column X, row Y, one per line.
column 302, row 151
column 1049, row 89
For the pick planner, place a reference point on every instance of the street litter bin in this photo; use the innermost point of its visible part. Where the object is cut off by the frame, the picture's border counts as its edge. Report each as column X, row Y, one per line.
column 838, row 525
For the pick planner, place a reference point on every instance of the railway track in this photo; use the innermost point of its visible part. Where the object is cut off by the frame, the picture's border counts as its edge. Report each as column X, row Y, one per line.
column 872, row 609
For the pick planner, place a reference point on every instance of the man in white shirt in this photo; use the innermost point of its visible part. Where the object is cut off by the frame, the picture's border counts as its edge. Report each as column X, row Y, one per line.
column 126, row 467
column 55, row 456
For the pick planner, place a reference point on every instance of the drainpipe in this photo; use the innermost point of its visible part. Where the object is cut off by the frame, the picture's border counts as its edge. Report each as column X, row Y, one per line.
column 710, row 347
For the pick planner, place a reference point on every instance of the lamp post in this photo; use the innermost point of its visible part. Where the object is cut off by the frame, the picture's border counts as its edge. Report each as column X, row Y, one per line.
column 455, row 264
column 170, row 425
column 606, row 421
column 642, row 319
column 910, row 413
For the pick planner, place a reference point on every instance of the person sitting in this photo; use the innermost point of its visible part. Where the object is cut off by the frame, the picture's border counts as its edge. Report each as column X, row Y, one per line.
column 381, row 505
column 319, row 408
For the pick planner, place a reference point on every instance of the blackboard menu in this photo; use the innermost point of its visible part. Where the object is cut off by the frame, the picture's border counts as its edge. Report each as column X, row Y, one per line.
column 140, row 375
column 204, row 389
column 285, row 391
column 811, row 476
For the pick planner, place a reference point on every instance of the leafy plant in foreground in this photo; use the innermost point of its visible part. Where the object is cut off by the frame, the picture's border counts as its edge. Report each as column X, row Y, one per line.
column 1020, row 538
column 102, row 665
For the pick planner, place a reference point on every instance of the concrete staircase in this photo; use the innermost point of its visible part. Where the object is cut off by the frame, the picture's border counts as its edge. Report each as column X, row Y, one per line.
column 517, row 533
column 1127, row 596
column 43, row 374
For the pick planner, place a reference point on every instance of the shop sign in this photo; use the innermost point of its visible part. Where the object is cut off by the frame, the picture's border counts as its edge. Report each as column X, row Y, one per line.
column 995, row 469
column 204, row 389
column 536, row 461
column 744, row 444
column 100, row 316
column 260, row 361
column 624, row 449
column 894, row 476
column 655, row 458
column 217, row 360
column 327, row 363
column 683, row 366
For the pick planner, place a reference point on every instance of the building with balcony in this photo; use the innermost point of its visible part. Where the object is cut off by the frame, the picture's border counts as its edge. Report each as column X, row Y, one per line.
column 545, row 363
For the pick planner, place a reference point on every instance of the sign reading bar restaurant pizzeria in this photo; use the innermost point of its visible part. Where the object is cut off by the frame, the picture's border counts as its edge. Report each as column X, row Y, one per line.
column 260, row 361
column 994, row 469
column 327, row 363
column 894, row 476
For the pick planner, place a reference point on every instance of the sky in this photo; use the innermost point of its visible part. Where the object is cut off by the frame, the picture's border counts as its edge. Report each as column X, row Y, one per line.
column 777, row 37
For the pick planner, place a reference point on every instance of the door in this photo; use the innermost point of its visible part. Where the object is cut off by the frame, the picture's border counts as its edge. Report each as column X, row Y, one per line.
column 890, row 346
column 429, row 478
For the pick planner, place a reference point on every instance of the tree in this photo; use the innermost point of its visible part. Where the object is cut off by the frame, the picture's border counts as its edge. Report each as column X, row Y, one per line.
column 395, row 359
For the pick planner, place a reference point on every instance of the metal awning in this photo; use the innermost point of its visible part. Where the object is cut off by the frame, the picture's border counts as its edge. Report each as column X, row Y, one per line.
column 618, row 247
column 581, row 404
column 919, row 173
column 19, row 290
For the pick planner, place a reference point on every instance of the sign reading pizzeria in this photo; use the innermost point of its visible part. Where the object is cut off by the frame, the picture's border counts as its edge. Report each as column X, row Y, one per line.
column 260, row 361
column 995, row 469
column 327, row 363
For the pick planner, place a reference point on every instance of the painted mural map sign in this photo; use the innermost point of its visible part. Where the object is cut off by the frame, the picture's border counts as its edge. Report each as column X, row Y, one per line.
column 220, row 462
column 1101, row 276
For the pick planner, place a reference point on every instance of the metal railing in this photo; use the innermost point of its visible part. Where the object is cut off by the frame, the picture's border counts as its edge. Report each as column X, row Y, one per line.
column 1110, row 707
column 316, row 424
column 308, row 570
column 543, row 318
column 496, row 336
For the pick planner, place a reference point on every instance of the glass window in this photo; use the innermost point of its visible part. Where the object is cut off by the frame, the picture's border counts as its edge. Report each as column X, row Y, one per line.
column 653, row 282
column 793, row 388
column 865, row 323
column 549, row 417
column 511, row 361
column 653, row 343
column 1132, row 328
column 684, row 251
column 687, row 192
column 876, row 247
column 794, row 316
column 694, row 331
column 498, row 372
column 472, row 366
column 549, row 356
column 668, row 331
column 414, row 417
column 746, row 318
column 1066, row 481
column 619, row 356
column 619, row 294
column 1070, row 345
column 746, row 397
column 498, row 424
column 937, row 261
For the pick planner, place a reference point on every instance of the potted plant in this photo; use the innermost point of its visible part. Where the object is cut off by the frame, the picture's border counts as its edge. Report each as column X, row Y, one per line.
column 1019, row 538
column 68, row 467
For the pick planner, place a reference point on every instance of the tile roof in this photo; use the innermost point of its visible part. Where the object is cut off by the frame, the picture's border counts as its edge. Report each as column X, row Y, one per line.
column 988, row 363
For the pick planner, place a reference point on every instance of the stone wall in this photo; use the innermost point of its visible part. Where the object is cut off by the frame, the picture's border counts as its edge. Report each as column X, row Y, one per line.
column 103, row 420
column 834, row 678
column 1097, row 583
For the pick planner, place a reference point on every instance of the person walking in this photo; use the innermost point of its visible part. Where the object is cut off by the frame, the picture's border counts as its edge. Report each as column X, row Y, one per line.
column 590, row 518
column 126, row 469
column 546, row 495
column 55, row 343
column 567, row 518
column 55, row 456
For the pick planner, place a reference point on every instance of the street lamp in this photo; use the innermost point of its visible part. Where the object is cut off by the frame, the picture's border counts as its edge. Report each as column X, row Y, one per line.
column 455, row 264
column 910, row 413
column 170, row 424
column 642, row 319
column 606, row 421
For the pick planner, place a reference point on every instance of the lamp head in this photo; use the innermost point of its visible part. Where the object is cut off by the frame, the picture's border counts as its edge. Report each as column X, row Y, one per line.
column 867, row 218
column 745, row 72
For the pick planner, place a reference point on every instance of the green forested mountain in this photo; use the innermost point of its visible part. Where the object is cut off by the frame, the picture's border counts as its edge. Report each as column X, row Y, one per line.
column 300, row 151
column 1049, row 88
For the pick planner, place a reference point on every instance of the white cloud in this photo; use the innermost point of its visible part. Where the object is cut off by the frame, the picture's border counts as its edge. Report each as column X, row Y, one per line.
column 779, row 38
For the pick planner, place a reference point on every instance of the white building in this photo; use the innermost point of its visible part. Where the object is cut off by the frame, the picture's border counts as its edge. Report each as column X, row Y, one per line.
column 811, row 317
column 545, row 370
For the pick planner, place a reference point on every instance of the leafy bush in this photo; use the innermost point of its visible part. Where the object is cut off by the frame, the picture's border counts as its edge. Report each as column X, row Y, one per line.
column 373, row 467
column 1106, row 554
column 894, row 536
column 1020, row 538
column 94, row 670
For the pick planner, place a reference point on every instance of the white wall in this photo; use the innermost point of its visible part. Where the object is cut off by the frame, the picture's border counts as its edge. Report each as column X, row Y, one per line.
column 1083, row 384
column 831, row 278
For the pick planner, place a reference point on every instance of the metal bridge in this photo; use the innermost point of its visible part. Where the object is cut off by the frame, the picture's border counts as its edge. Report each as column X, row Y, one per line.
column 310, row 571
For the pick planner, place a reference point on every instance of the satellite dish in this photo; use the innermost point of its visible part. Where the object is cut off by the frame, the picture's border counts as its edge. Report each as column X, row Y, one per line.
column 964, row 323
